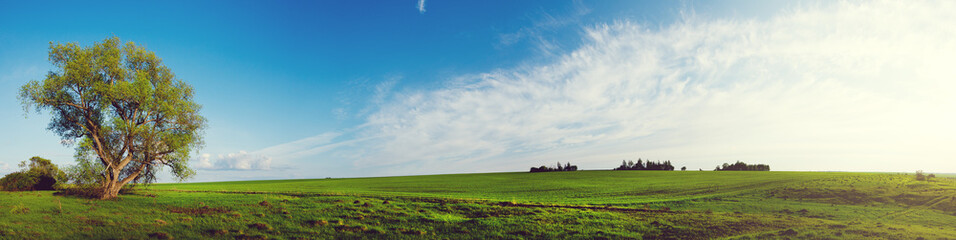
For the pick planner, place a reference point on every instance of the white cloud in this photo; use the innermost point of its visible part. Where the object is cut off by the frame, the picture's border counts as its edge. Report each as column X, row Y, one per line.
column 852, row 86
column 844, row 87
column 421, row 6
column 235, row 161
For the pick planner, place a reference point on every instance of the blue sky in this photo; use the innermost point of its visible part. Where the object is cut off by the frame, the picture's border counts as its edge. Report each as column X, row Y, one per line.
column 371, row 88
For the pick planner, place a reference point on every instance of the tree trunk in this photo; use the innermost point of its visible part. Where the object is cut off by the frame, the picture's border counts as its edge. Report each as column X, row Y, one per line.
column 110, row 190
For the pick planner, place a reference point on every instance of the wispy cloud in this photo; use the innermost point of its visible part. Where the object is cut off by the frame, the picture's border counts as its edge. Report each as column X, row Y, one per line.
column 354, row 107
column 543, row 24
column 421, row 6
column 852, row 86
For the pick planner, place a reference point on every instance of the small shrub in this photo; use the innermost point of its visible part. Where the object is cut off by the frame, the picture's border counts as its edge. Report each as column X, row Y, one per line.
column 19, row 209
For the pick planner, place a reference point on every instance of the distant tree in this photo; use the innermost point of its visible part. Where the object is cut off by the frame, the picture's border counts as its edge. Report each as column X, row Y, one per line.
column 646, row 165
column 683, row 168
column 558, row 167
column 920, row 176
column 35, row 174
column 42, row 166
column 741, row 166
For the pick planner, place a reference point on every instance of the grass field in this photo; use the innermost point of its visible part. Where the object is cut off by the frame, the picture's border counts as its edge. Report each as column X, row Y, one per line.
column 583, row 204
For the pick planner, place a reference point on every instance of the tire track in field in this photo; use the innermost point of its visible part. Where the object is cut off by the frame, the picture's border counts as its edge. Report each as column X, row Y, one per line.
column 928, row 205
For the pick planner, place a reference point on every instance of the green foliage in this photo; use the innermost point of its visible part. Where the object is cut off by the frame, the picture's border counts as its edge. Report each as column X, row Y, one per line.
column 35, row 174
column 86, row 172
column 42, row 167
column 19, row 181
column 124, row 106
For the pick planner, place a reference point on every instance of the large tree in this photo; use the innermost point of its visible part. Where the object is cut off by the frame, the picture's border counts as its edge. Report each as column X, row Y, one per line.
column 123, row 107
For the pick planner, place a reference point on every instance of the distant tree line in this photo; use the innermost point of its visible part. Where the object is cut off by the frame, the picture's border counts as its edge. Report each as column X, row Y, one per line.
column 741, row 166
column 649, row 165
column 557, row 168
column 641, row 164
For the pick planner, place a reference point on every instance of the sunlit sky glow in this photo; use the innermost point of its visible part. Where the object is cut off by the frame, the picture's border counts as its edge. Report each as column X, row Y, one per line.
column 348, row 89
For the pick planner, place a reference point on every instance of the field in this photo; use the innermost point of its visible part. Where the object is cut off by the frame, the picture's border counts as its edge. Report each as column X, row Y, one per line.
column 578, row 205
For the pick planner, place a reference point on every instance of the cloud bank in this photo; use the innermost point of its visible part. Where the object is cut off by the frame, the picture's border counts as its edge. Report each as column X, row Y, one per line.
column 235, row 161
column 851, row 86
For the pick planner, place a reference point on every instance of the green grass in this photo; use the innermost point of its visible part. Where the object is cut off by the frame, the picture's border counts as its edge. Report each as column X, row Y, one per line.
column 582, row 187
column 583, row 204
